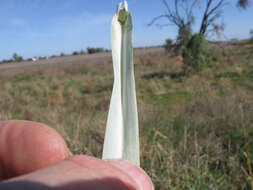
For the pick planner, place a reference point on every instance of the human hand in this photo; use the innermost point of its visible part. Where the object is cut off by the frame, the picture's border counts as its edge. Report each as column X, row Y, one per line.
column 34, row 156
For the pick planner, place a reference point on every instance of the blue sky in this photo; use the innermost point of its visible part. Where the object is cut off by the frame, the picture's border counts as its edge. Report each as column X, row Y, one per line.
column 46, row 27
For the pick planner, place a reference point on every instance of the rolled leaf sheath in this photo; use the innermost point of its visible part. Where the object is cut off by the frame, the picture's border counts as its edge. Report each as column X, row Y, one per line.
column 122, row 133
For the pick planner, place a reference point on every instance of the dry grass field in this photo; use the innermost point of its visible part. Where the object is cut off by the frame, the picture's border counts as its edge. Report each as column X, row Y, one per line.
column 196, row 131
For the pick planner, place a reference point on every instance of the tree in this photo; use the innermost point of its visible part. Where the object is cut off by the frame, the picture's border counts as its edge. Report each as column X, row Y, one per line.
column 175, row 17
column 212, row 11
column 181, row 13
column 183, row 20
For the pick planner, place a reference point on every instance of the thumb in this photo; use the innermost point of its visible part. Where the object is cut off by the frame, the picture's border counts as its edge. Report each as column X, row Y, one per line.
column 28, row 146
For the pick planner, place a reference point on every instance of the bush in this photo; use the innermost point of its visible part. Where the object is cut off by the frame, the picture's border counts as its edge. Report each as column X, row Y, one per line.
column 195, row 54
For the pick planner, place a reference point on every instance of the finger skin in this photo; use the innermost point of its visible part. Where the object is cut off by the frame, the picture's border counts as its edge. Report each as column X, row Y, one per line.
column 28, row 146
column 84, row 173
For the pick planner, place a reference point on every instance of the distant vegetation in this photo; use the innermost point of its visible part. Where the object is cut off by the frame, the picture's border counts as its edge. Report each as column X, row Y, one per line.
column 90, row 50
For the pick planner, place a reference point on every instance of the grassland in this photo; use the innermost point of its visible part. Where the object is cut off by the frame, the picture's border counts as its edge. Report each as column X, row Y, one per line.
column 196, row 131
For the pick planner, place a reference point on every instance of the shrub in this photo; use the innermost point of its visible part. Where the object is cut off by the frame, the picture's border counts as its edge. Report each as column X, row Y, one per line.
column 195, row 54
